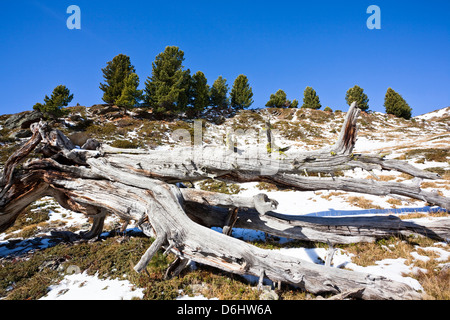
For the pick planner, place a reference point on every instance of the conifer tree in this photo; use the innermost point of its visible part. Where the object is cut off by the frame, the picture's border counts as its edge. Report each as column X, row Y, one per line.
column 115, row 73
column 167, row 90
column 241, row 93
column 52, row 107
column 357, row 94
column 130, row 96
column 218, row 94
column 279, row 100
column 311, row 99
column 199, row 94
column 396, row 105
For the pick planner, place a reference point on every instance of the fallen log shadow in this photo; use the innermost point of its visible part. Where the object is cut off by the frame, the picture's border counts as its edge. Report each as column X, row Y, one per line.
column 338, row 213
column 320, row 228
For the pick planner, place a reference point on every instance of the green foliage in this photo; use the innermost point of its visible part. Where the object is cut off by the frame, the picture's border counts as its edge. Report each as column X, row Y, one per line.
column 279, row 100
column 199, row 94
column 311, row 99
column 167, row 90
column 130, row 96
column 241, row 93
column 115, row 74
column 357, row 94
column 328, row 109
column 103, row 130
column 430, row 154
column 125, row 144
column 219, row 186
column 396, row 105
column 218, row 93
column 52, row 107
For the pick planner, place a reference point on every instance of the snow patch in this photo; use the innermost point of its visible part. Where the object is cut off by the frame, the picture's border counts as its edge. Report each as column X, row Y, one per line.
column 82, row 286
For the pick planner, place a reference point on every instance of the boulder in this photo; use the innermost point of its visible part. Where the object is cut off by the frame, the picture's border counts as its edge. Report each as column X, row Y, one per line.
column 23, row 120
column 22, row 133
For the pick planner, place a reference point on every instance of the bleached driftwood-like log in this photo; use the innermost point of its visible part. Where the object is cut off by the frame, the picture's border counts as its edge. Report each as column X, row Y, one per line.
column 189, row 240
column 139, row 185
column 338, row 230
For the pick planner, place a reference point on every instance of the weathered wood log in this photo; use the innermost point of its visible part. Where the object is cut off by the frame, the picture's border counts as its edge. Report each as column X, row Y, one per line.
column 135, row 185
column 201, row 162
column 337, row 230
column 189, row 240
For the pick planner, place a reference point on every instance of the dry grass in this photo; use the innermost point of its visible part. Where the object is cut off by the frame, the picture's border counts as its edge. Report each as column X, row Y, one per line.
column 394, row 202
column 435, row 280
column 417, row 215
column 438, row 155
column 362, row 202
column 265, row 186
column 406, row 176
column 366, row 254
column 332, row 194
column 429, row 185
column 382, row 177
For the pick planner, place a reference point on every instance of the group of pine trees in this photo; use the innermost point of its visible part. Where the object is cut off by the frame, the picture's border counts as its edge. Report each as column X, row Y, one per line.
column 172, row 89
column 393, row 102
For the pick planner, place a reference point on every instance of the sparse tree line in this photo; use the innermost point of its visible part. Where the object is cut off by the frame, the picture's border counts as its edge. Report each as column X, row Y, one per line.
column 393, row 102
column 171, row 89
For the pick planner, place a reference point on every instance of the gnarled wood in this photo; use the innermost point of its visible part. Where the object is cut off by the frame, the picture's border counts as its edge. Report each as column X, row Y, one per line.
column 139, row 185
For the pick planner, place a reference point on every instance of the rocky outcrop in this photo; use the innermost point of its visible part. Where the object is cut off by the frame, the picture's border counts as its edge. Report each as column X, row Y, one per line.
column 23, row 120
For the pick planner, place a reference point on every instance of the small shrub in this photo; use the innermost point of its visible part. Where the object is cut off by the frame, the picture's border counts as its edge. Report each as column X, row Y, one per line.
column 264, row 186
column 106, row 129
column 219, row 186
column 438, row 155
column 439, row 170
column 125, row 144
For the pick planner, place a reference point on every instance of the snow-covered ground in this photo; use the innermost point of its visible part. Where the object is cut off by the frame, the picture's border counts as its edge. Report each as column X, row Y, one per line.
column 441, row 113
column 81, row 286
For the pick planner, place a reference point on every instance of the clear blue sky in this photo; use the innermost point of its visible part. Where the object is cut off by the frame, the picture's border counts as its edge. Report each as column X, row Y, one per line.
column 278, row 44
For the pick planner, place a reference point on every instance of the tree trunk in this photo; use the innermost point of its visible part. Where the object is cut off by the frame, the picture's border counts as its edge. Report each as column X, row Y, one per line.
column 139, row 185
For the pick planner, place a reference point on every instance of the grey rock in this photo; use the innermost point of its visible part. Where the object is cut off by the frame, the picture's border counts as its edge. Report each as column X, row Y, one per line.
column 23, row 133
column 23, row 120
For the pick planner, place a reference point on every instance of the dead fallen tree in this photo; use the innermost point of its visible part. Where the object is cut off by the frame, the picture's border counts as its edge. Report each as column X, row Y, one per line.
column 140, row 185
column 319, row 229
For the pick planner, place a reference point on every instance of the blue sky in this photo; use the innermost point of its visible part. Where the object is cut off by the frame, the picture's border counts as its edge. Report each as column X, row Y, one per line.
column 278, row 44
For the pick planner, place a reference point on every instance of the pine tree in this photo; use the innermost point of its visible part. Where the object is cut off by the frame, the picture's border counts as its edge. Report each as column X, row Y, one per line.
column 357, row 94
column 311, row 99
column 52, row 107
column 130, row 96
column 218, row 94
column 115, row 73
column 167, row 90
column 199, row 94
column 241, row 93
column 279, row 100
column 396, row 105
